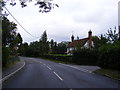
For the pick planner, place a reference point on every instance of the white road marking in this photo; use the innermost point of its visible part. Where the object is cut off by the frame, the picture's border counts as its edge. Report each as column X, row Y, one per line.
column 44, row 64
column 40, row 62
column 6, row 77
column 81, row 69
column 49, row 67
column 58, row 76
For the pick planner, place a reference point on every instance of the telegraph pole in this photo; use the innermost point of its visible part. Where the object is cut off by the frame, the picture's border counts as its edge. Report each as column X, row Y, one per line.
column 119, row 19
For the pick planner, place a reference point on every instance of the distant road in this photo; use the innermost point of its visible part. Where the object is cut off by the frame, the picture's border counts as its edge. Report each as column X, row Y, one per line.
column 39, row 73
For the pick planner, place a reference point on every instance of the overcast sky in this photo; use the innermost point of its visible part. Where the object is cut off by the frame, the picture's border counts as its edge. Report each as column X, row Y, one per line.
column 77, row 16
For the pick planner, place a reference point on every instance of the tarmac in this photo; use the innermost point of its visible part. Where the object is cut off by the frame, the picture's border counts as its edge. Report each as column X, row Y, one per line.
column 6, row 73
column 11, row 70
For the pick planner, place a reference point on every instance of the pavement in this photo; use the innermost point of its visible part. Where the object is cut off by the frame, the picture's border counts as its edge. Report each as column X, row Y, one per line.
column 84, row 68
column 39, row 73
column 10, row 71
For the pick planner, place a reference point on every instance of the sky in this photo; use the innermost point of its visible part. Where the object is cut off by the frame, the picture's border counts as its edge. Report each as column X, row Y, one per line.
column 75, row 17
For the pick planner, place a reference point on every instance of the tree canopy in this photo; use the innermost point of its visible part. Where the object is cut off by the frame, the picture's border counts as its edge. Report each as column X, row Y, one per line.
column 44, row 5
column 8, row 31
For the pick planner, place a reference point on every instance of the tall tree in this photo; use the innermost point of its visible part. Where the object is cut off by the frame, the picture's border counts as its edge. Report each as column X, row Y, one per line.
column 10, row 39
column 44, row 37
column 8, row 31
column 19, row 38
column 61, row 48
column 103, row 39
column 96, row 41
column 112, row 35
column 45, row 43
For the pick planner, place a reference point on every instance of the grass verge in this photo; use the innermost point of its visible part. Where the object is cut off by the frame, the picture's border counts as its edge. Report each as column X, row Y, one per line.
column 13, row 60
column 114, row 74
column 58, row 61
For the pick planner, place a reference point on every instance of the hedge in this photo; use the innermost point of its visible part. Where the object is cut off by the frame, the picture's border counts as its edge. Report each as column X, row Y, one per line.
column 107, row 56
column 85, row 57
column 6, row 58
column 58, row 57
column 5, row 55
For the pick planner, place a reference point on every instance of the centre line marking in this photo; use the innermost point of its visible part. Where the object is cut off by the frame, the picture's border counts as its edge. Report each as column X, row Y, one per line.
column 58, row 76
column 49, row 67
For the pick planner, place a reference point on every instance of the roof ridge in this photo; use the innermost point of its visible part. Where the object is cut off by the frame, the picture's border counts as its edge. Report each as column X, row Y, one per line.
column 82, row 39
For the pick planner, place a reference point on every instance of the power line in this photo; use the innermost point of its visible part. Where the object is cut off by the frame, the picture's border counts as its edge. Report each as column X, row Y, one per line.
column 19, row 23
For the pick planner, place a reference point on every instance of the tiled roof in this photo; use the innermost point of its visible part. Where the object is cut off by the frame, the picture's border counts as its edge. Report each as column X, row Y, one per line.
column 80, row 42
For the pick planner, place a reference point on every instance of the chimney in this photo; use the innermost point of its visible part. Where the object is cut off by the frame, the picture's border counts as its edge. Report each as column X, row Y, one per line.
column 90, row 39
column 72, row 38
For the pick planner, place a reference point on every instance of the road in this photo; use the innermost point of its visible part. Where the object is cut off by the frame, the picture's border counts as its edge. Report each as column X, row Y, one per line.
column 39, row 73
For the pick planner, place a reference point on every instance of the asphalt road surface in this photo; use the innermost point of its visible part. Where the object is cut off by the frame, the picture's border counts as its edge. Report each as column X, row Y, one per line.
column 39, row 73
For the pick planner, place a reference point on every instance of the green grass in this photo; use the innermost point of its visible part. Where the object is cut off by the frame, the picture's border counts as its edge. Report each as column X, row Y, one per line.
column 60, row 55
column 11, row 63
column 114, row 74
column 58, row 61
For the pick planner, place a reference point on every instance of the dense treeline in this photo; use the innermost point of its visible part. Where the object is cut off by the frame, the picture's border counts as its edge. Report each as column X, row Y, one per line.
column 42, row 47
column 10, row 41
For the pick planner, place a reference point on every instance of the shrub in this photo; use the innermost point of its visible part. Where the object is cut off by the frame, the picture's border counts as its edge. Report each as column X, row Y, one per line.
column 109, row 56
column 85, row 57
column 5, row 55
column 64, row 58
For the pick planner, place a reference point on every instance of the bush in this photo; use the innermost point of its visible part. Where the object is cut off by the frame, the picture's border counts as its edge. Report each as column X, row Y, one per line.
column 5, row 55
column 85, row 57
column 6, row 58
column 109, row 56
column 64, row 58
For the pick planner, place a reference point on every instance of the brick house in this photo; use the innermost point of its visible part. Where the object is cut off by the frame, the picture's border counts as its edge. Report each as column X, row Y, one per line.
column 83, row 43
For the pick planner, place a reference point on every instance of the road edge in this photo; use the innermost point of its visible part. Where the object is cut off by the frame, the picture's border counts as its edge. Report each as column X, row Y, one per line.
column 10, row 75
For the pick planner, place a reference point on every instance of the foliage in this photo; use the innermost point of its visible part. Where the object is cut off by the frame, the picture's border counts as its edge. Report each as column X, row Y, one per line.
column 53, row 47
column 5, row 55
column 61, row 48
column 44, row 43
column 112, row 35
column 44, row 5
column 85, row 56
column 66, row 58
column 109, row 56
column 10, row 40
column 36, row 48
column 8, row 32
column 23, row 49
column 111, row 73
column 96, row 41
column 105, row 53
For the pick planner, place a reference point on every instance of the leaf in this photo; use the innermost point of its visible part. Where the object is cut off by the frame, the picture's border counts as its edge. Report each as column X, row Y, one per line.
column 56, row 5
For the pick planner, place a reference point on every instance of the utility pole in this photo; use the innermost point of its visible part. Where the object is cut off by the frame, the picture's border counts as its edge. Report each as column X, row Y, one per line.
column 119, row 19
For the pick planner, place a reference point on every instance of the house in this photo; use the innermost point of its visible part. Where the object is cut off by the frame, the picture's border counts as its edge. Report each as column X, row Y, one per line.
column 83, row 43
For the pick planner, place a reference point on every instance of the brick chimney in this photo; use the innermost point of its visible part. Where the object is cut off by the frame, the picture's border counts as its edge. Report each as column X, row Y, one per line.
column 72, row 38
column 90, row 39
